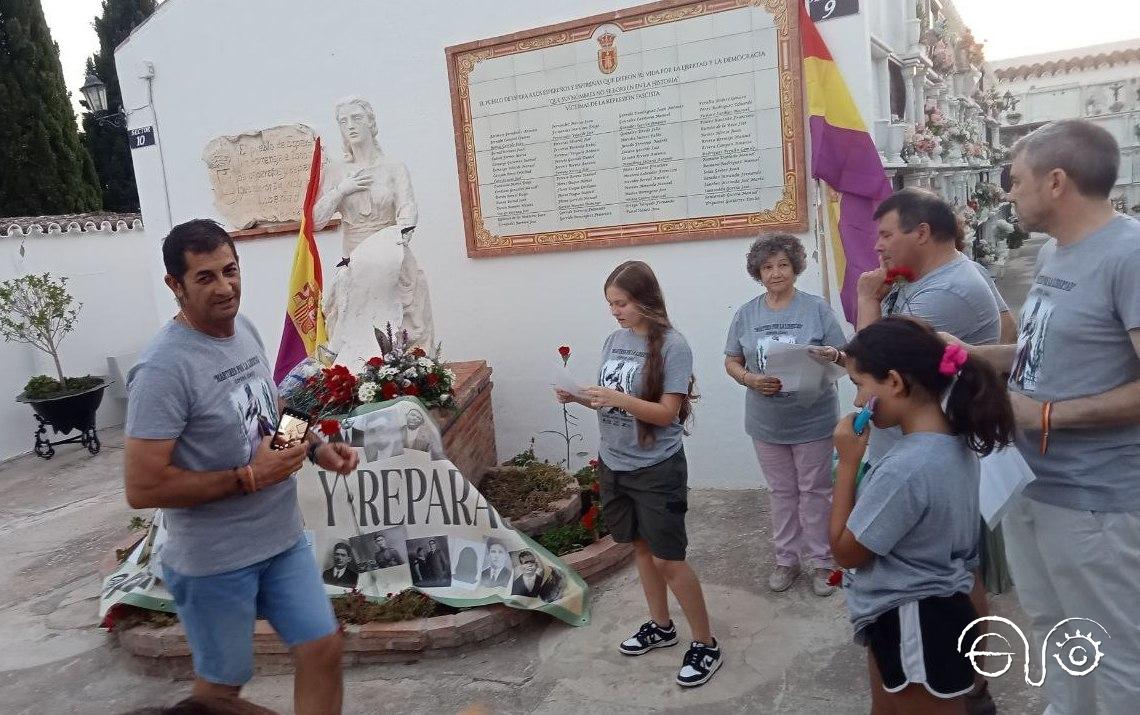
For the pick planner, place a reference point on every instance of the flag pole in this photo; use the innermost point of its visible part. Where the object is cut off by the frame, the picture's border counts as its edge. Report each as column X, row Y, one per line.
column 821, row 242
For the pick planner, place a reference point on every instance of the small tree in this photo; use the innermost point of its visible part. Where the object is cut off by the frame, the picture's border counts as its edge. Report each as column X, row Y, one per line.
column 39, row 311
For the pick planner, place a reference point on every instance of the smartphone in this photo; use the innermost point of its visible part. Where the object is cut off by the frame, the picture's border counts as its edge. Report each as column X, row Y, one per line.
column 864, row 417
column 292, row 429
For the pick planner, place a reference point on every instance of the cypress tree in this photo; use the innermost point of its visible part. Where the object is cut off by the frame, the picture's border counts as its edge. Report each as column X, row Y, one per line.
column 44, row 168
column 108, row 144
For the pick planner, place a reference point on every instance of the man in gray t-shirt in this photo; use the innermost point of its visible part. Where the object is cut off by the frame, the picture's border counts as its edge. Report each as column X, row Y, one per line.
column 1073, row 537
column 917, row 231
column 201, row 403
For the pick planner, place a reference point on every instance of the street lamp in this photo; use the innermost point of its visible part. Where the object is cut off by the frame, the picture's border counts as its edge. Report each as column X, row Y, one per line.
column 95, row 93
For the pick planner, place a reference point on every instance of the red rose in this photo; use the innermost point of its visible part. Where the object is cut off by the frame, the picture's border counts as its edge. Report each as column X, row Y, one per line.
column 432, row 379
column 388, row 390
column 564, row 351
column 330, row 427
column 375, row 362
column 412, row 390
column 419, row 352
column 594, row 464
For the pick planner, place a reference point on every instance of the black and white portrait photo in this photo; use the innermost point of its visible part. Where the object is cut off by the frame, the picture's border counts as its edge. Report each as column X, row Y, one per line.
column 342, row 572
column 496, row 566
column 534, row 580
column 382, row 549
column 429, row 562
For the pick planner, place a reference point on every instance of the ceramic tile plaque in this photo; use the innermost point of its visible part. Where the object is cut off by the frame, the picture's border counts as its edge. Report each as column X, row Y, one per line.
column 664, row 122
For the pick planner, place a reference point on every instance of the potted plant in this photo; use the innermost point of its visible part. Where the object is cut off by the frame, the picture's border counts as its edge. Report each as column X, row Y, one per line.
column 38, row 310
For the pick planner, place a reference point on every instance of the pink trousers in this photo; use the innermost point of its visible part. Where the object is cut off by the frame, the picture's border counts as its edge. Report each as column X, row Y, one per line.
column 799, row 476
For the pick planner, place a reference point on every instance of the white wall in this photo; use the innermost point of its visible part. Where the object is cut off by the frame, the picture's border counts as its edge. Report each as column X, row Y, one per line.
column 106, row 276
column 223, row 67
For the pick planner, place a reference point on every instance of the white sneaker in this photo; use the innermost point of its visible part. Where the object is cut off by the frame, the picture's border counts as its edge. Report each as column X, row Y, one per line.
column 782, row 577
column 819, row 582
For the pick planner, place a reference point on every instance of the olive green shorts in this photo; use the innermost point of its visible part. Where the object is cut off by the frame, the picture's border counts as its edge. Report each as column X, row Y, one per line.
column 648, row 503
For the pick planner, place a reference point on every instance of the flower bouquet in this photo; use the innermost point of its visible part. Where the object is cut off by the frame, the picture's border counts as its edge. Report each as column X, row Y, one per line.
column 398, row 371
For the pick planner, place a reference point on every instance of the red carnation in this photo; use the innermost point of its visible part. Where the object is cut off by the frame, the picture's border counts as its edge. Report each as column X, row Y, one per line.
column 590, row 518
column 835, row 578
column 564, row 351
column 412, row 390
column 419, row 352
column 330, row 427
column 901, row 274
column 388, row 390
column 594, row 464
column 432, row 379
column 375, row 362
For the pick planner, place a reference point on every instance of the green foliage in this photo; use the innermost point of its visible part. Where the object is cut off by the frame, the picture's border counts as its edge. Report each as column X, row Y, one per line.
column 138, row 523
column 586, row 476
column 108, row 144
column 523, row 458
column 46, row 169
column 563, row 539
column 38, row 311
column 42, row 386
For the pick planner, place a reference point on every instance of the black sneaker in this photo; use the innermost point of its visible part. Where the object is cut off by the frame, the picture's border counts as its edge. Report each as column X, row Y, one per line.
column 648, row 637
column 700, row 662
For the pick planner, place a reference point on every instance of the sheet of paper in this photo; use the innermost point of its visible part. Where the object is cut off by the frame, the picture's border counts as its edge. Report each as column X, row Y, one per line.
column 790, row 364
column 1005, row 475
column 564, row 380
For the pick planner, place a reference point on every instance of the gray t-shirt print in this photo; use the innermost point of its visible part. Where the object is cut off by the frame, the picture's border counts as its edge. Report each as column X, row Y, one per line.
column 782, row 418
column 1073, row 341
column 623, row 356
column 917, row 510
column 209, row 395
column 954, row 298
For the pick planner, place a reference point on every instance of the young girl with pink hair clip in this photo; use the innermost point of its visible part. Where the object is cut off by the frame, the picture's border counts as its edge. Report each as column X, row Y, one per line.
column 907, row 533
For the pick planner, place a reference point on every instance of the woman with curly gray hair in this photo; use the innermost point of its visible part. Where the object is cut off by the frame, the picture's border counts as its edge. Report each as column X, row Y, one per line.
column 792, row 435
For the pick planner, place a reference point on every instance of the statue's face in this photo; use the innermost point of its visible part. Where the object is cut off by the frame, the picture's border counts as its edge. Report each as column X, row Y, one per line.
column 355, row 124
column 415, row 419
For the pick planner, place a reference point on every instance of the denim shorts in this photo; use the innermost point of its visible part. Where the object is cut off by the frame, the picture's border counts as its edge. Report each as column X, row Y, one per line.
column 218, row 612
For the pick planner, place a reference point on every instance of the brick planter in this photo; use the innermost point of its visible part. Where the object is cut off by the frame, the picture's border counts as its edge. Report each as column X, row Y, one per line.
column 469, row 430
column 560, row 513
column 164, row 651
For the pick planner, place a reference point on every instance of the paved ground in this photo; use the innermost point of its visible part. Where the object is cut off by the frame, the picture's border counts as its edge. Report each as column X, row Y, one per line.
column 786, row 653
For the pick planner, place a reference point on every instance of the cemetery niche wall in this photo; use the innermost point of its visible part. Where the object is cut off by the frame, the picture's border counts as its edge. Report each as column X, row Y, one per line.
column 658, row 123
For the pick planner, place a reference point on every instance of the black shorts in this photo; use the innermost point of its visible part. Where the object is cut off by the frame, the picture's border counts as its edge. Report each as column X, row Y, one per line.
column 650, row 504
column 918, row 643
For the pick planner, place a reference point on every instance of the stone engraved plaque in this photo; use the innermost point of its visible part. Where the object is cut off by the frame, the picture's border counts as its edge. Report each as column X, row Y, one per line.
column 662, row 122
column 260, row 177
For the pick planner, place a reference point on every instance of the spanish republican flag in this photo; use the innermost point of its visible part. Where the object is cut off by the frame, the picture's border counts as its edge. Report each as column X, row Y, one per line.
column 844, row 156
column 304, row 319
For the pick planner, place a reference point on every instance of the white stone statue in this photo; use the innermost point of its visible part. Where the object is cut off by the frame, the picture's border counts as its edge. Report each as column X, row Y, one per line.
column 379, row 281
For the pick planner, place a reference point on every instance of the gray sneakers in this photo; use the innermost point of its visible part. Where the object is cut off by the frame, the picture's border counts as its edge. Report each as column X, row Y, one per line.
column 783, row 577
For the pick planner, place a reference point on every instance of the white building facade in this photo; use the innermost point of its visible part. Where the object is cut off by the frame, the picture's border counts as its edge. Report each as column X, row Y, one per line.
column 200, row 69
column 1100, row 83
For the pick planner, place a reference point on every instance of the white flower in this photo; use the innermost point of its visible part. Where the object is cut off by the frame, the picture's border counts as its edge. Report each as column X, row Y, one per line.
column 367, row 391
column 410, row 372
column 450, row 374
column 388, row 372
column 425, row 362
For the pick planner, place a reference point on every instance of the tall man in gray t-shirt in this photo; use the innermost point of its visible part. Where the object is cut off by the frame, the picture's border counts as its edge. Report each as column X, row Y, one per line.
column 1073, row 537
column 201, row 402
